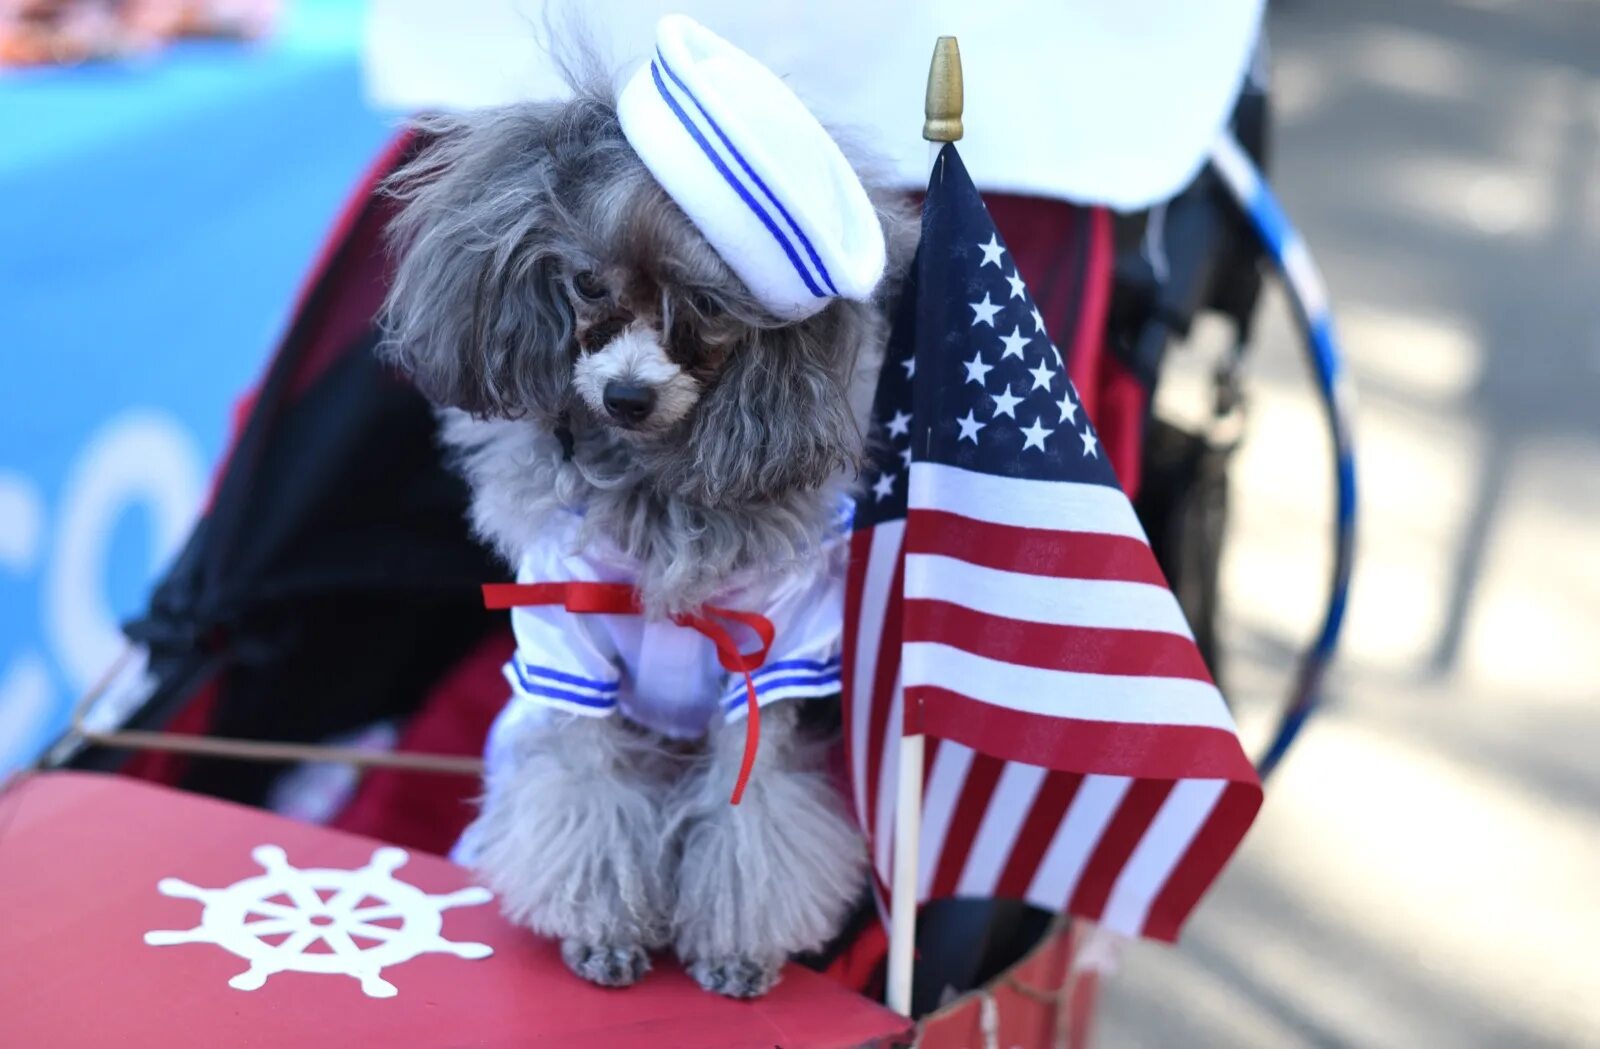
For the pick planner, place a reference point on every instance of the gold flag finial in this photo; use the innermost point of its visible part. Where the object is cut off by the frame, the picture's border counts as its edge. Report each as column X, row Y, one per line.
column 942, row 109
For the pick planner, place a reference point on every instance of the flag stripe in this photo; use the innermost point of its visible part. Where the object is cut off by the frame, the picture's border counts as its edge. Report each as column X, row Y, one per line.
column 1085, row 649
column 887, row 781
column 1204, row 860
column 1104, row 603
column 997, row 833
column 1182, row 815
column 877, row 656
column 1166, row 751
column 1093, row 805
column 1047, row 812
column 1034, row 551
column 947, row 777
column 1064, row 693
column 1133, row 818
column 980, row 784
column 856, row 705
column 887, row 724
column 1023, row 503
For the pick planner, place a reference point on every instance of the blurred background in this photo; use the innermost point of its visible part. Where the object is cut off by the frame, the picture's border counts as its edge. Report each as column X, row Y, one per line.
column 161, row 210
column 1426, row 871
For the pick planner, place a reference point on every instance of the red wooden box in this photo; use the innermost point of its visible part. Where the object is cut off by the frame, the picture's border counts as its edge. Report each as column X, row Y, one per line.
column 138, row 917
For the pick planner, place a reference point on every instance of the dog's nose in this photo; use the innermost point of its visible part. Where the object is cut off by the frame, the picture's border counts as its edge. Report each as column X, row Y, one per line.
column 628, row 403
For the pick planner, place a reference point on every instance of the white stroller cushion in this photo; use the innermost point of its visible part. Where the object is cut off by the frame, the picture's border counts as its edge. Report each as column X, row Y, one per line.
column 1097, row 102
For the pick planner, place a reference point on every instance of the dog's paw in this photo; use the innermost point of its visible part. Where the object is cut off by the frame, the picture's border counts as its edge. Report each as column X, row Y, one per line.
column 608, row 966
column 735, row 977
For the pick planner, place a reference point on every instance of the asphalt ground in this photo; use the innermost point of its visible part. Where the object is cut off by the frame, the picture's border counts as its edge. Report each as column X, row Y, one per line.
column 1426, row 870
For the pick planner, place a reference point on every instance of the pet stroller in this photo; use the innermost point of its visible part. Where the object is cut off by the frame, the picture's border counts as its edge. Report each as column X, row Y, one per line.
column 331, row 592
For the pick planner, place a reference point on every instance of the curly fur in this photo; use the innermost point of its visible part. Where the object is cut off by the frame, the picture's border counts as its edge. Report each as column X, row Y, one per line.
column 499, row 212
column 569, row 836
column 774, row 875
column 538, row 262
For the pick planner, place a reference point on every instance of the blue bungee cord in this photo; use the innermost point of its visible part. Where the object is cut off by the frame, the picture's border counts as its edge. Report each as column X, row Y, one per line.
column 1293, row 261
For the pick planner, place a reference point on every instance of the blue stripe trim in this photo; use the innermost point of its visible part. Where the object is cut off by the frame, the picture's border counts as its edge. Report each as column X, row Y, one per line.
column 805, row 241
column 533, row 688
column 845, row 519
column 796, row 664
column 737, row 698
column 609, row 687
column 782, row 695
column 732, row 180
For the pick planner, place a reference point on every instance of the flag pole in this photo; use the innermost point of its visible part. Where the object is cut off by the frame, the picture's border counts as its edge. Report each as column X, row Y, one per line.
column 941, row 124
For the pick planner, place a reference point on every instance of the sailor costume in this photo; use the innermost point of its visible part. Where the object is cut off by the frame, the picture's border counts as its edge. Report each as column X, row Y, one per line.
column 661, row 674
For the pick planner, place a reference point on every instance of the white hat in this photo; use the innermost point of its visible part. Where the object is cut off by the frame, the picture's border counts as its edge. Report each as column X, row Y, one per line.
column 754, row 170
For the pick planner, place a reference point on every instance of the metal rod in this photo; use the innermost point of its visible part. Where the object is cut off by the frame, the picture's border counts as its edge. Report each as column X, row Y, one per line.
column 262, row 750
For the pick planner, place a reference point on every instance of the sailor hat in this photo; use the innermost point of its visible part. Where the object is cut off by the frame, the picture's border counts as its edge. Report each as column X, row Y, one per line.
column 753, row 170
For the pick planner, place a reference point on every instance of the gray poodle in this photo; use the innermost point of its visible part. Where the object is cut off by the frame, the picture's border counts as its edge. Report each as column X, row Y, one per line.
column 600, row 368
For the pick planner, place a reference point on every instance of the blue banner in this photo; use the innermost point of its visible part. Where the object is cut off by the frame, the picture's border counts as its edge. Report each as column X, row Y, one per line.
column 158, row 219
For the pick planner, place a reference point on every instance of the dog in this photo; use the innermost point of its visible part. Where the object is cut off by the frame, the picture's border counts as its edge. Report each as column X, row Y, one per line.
column 603, row 374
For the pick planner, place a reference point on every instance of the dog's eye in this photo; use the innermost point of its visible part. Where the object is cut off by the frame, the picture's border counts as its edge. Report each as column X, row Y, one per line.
column 589, row 285
column 706, row 306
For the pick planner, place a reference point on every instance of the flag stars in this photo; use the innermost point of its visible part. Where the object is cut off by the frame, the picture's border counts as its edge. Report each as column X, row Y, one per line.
column 977, row 371
column 1014, row 344
column 905, row 455
column 1006, row 403
column 900, row 425
column 883, row 487
column 1069, row 410
column 1018, row 289
column 910, row 365
column 983, row 312
column 1091, row 443
column 1038, row 323
column 1033, row 436
column 969, row 427
column 992, row 252
column 1043, row 376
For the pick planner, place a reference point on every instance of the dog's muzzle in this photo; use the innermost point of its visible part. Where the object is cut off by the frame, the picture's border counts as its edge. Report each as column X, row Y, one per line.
column 632, row 383
column 628, row 403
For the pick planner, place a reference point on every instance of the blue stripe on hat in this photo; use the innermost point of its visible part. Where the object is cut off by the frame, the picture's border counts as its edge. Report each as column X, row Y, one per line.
column 805, row 241
column 733, row 180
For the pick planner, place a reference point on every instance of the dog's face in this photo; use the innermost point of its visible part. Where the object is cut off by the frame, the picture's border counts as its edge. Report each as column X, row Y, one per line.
column 543, row 275
column 652, row 330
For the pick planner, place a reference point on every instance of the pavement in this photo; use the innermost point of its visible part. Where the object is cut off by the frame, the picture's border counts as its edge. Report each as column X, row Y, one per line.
column 1426, row 870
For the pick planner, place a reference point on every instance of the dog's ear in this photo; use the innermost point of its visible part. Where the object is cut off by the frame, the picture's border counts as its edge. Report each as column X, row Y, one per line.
column 779, row 417
column 475, row 314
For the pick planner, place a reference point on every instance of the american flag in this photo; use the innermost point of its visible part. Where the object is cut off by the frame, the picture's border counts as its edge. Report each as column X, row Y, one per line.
column 1003, row 601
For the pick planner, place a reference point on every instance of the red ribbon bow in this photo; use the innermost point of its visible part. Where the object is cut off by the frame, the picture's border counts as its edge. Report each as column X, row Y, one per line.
column 622, row 599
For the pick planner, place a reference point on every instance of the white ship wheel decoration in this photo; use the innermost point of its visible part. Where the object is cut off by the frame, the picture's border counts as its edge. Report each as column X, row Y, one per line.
column 328, row 905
